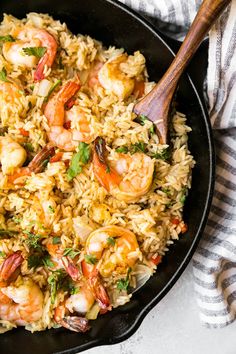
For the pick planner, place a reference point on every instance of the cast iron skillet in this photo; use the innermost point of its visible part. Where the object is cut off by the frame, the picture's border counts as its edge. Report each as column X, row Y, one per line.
column 117, row 25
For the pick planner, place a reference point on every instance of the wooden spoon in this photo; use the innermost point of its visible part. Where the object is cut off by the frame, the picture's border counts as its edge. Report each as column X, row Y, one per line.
column 156, row 104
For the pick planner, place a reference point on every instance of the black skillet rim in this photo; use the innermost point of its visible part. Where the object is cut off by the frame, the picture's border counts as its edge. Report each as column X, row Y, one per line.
column 94, row 343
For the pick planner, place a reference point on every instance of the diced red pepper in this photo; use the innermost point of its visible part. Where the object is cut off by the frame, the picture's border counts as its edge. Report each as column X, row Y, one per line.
column 67, row 124
column 67, row 163
column 57, row 157
column 139, row 87
column 156, row 260
column 175, row 221
column 184, row 228
column 24, row 132
column 70, row 103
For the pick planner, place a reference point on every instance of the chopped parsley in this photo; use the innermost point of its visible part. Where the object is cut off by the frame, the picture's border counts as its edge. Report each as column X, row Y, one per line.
column 108, row 170
column 183, row 195
column 164, row 155
column 79, row 159
column 90, row 259
column 166, row 191
column 111, row 241
column 122, row 149
column 48, row 262
column 33, row 240
column 35, row 51
column 8, row 233
column 3, row 75
column 7, row 38
column 51, row 209
column 138, row 147
column 56, row 240
column 2, row 254
column 152, row 129
column 55, row 281
column 34, row 261
column 54, row 86
column 70, row 252
column 28, row 147
column 123, row 284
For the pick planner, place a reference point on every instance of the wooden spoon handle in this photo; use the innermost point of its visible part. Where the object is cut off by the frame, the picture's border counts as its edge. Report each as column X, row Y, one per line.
column 157, row 103
column 205, row 18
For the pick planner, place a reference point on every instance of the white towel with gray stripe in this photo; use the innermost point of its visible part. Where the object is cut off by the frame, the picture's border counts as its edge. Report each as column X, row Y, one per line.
column 214, row 263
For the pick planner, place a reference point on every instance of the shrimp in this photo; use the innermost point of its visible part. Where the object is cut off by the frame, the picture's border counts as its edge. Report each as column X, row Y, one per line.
column 128, row 177
column 57, row 116
column 121, row 241
column 35, row 166
column 113, row 79
column 60, row 261
column 21, row 304
column 12, row 155
column 79, row 303
column 12, row 102
column 31, row 37
column 92, row 79
column 126, row 252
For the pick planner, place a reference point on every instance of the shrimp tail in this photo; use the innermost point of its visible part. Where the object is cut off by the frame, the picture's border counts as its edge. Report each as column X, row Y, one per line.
column 38, row 163
column 100, row 293
column 71, row 268
column 105, row 175
column 75, row 323
column 9, row 267
column 48, row 58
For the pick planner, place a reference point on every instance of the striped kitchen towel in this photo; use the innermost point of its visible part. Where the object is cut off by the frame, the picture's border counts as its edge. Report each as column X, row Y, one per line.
column 214, row 263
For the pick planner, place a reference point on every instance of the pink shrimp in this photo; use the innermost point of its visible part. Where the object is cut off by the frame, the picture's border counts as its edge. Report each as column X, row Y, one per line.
column 35, row 166
column 58, row 118
column 31, row 37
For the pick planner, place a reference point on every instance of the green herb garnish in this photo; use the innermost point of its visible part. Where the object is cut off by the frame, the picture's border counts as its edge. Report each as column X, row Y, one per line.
column 70, row 252
column 54, row 86
column 51, row 209
column 7, row 38
column 28, row 147
column 2, row 254
column 183, row 195
column 90, row 259
column 8, row 233
column 152, row 129
column 122, row 149
column 111, row 241
column 108, row 170
column 33, row 239
column 48, row 262
column 138, row 147
column 78, row 160
column 141, row 119
column 56, row 240
column 3, row 75
column 123, row 284
column 165, row 154
column 55, row 282
column 166, row 191
column 34, row 261
column 35, row 51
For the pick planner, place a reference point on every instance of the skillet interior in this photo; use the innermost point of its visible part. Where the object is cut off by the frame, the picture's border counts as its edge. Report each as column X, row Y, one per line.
column 114, row 24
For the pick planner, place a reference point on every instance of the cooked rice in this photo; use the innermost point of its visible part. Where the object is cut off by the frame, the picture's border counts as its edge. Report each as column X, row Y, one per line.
column 49, row 204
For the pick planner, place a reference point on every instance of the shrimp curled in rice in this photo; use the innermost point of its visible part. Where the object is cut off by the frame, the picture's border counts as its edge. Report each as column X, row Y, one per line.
column 127, row 177
column 12, row 155
column 124, row 252
column 70, row 313
column 31, row 37
column 58, row 117
column 114, row 80
column 20, row 304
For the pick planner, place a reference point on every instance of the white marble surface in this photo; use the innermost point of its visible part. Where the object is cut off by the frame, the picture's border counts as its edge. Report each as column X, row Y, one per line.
column 173, row 327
